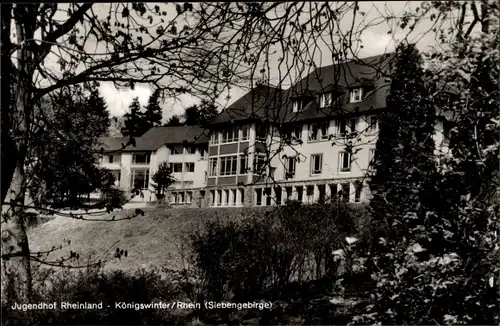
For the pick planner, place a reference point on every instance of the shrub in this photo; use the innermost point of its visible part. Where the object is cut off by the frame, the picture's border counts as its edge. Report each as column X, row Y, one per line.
column 263, row 255
column 113, row 197
column 94, row 286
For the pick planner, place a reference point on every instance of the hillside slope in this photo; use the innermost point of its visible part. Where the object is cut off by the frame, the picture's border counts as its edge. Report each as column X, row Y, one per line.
column 155, row 239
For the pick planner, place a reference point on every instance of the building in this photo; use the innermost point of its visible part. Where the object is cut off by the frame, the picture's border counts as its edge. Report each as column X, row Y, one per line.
column 184, row 148
column 309, row 143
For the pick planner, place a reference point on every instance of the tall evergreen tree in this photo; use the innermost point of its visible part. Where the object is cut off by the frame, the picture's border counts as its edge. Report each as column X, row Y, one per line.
column 153, row 114
column 135, row 124
column 404, row 155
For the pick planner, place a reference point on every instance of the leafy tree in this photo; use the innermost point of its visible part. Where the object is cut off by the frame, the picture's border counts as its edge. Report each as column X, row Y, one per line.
column 444, row 266
column 200, row 114
column 162, row 179
column 174, row 120
column 66, row 160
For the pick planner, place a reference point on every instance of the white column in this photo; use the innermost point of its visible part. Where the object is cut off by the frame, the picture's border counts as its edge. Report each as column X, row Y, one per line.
column 238, row 197
column 283, row 195
column 328, row 193
column 232, row 197
column 352, row 192
column 295, row 195
column 217, row 197
column 316, row 194
column 273, row 196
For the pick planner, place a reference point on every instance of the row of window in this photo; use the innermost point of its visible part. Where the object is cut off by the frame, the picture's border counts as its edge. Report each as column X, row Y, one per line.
column 230, row 134
column 228, row 197
column 177, row 167
column 235, row 165
column 316, row 165
column 308, row 194
column 181, row 197
column 328, row 99
column 320, row 131
column 178, row 150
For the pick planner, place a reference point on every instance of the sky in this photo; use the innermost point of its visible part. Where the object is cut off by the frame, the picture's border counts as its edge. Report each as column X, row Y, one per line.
column 375, row 40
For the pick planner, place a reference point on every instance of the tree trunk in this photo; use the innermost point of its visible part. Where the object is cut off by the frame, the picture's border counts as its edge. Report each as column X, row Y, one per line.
column 14, row 212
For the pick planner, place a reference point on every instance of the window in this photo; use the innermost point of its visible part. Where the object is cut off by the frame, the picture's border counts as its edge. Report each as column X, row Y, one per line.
column 322, row 193
column 269, row 197
column 258, row 196
column 228, row 165
column 310, row 193
column 243, row 164
column 297, row 105
column 278, row 192
column 373, row 125
column 356, row 95
column 189, row 167
column 139, row 179
column 232, row 197
column 260, row 163
column 230, row 134
column 291, row 163
column 344, row 192
column 203, row 153
column 242, row 197
column 300, row 192
column 333, row 190
column 316, row 163
column 141, row 158
column 289, row 193
column 191, row 150
column 110, row 158
column 294, row 133
column 244, row 132
column 189, row 197
column 174, row 150
column 180, row 197
column 173, row 197
column 212, row 193
column 318, row 131
column 345, row 161
column 214, row 137
column 261, row 132
column 212, row 167
column 371, row 159
column 346, row 126
column 176, row 167
column 325, row 100
column 358, row 186
column 218, row 197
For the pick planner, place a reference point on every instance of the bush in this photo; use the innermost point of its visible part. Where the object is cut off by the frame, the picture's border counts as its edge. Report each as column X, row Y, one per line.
column 263, row 255
column 95, row 286
column 113, row 197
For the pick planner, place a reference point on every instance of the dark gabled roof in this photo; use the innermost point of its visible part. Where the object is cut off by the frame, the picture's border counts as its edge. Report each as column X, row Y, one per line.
column 159, row 136
column 369, row 73
column 112, row 144
column 259, row 103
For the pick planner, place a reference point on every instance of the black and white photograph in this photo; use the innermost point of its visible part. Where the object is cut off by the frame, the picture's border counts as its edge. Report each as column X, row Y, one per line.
column 250, row 163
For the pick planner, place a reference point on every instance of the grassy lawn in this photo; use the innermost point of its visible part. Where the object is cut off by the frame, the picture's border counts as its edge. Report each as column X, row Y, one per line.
column 155, row 239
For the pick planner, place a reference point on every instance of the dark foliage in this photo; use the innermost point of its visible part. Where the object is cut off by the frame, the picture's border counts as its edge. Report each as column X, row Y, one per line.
column 173, row 121
column 200, row 114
